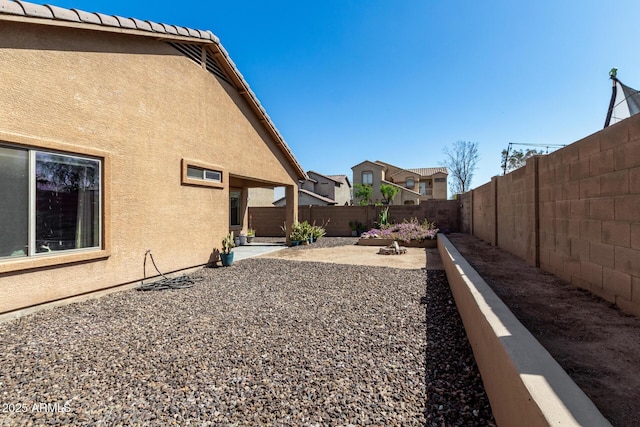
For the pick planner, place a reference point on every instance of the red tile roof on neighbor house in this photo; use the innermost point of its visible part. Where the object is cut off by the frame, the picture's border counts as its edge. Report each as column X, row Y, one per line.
column 23, row 11
column 339, row 178
column 417, row 171
column 429, row 171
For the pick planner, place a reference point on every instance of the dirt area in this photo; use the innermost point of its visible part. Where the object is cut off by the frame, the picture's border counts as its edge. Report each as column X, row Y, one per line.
column 354, row 254
column 597, row 344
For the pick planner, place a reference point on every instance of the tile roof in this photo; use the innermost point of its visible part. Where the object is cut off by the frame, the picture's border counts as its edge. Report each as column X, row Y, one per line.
column 92, row 20
column 47, row 11
column 418, row 171
column 317, row 196
column 330, row 177
column 429, row 171
column 311, row 194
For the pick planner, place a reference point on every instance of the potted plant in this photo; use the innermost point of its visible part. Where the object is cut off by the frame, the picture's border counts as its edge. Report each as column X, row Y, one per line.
column 297, row 236
column 317, row 232
column 305, row 232
column 251, row 233
column 356, row 228
column 226, row 256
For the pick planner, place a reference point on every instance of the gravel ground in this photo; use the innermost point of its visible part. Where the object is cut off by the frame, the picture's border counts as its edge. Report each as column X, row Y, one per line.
column 265, row 342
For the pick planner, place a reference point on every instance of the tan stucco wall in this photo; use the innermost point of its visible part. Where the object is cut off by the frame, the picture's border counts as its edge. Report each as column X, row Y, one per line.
column 343, row 194
column 440, row 188
column 146, row 107
column 378, row 176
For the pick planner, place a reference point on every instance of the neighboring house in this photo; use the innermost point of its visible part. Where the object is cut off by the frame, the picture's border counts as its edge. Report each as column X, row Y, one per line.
column 259, row 197
column 119, row 136
column 415, row 185
column 322, row 190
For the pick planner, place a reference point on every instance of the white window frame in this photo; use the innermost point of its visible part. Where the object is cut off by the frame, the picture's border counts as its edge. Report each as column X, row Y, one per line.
column 31, row 252
column 202, row 181
column 203, row 174
column 367, row 173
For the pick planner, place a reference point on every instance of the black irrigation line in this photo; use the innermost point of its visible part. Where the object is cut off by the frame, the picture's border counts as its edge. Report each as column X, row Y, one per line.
column 181, row 282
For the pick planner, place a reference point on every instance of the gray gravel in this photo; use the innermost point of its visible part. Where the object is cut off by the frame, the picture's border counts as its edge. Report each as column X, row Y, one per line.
column 265, row 342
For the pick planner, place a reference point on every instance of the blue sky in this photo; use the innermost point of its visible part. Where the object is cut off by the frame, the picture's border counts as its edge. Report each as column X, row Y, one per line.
column 398, row 80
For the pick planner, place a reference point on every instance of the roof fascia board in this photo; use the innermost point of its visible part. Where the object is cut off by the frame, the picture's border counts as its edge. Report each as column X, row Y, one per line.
column 401, row 187
column 377, row 165
column 243, row 88
column 323, row 176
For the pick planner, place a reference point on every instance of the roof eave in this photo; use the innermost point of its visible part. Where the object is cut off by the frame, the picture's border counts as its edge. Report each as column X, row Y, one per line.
column 246, row 92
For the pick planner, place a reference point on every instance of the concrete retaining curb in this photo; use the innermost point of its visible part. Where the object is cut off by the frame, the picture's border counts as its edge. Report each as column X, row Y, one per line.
column 525, row 385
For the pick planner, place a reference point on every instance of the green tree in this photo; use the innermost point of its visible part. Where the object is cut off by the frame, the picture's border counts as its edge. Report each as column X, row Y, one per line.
column 461, row 161
column 363, row 194
column 389, row 192
column 517, row 158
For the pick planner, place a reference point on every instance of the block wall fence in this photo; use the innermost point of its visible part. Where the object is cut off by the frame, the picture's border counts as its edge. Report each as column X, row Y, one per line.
column 574, row 213
column 268, row 220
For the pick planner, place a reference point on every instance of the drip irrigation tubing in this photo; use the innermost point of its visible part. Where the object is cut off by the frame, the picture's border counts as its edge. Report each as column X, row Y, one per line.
column 180, row 282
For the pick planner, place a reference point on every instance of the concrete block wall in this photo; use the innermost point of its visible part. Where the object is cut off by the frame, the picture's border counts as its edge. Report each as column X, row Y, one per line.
column 465, row 212
column 591, row 194
column 268, row 220
column 516, row 212
column 575, row 213
column 484, row 212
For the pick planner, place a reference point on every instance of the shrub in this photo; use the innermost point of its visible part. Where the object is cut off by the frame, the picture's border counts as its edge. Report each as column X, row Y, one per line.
column 405, row 231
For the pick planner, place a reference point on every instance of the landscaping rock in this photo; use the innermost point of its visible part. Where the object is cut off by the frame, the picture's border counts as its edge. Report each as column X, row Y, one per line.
column 267, row 342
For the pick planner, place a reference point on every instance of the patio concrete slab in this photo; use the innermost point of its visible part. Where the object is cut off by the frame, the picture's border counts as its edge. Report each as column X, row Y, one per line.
column 255, row 249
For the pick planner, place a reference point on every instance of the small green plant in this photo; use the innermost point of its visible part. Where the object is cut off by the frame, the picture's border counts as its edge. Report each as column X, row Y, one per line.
column 356, row 227
column 228, row 244
column 251, row 232
column 317, row 232
column 384, row 217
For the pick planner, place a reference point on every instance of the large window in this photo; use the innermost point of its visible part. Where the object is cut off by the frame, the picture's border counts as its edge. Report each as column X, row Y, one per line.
column 51, row 202
column 367, row 178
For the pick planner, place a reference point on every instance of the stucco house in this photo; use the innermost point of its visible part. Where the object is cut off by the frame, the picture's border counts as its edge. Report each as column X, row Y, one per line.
column 322, row 190
column 119, row 136
column 414, row 185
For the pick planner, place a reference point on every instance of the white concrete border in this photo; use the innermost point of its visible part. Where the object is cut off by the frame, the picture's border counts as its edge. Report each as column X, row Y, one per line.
column 525, row 385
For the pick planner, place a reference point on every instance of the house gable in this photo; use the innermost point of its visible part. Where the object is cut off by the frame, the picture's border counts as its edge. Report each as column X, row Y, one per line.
column 218, row 62
column 178, row 143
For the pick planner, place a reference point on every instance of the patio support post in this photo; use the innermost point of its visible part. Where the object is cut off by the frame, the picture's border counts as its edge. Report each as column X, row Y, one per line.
column 291, row 208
